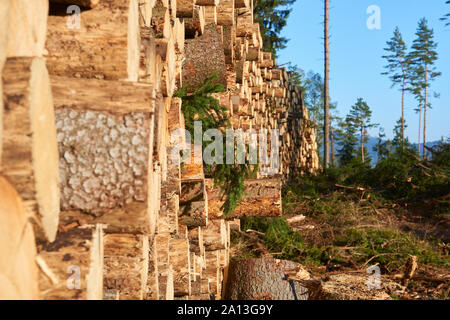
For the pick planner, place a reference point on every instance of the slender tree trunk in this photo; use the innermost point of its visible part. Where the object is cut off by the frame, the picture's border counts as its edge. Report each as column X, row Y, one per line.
column 420, row 126
column 326, row 134
column 362, row 143
column 332, row 145
column 425, row 115
column 403, row 111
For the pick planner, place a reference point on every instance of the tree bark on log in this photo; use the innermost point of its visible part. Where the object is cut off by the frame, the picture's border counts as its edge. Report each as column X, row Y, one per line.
column 263, row 279
column 204, row 56
column 75, row 259
column 106, row 46
column 18, row 271
column 30, row 154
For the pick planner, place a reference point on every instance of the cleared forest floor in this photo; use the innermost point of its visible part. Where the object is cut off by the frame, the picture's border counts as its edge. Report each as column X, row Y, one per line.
column 349, row 229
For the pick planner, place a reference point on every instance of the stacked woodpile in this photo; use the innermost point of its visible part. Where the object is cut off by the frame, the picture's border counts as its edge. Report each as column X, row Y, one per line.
column 86, row 150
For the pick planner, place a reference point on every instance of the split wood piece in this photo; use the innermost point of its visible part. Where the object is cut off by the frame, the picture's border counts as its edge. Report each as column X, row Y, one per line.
column 161, row 134
column 152, row 280
column 252, row 54
column 196, row 244
column 205, row 287
column 215, row 235
column 204, row 56
column 192, row 167
column 193, row 204
column 126, row 259
column 83, row 3
column 106, row 46
column 145, row 12
column 30, row 151
column 179, row 36
column 225, row 13
column 210, row 15
column 181, row 264
column 18, row 270
column 267, row 61
column 170, row 290
column 130, row 219
column 229, row 37
column 262, row 198
column 4, row 36
column 162, row 251
column 105, row 159
column 27, row 27
column 185, row 8
column 165, row 48
column 264, row 278
column 195, row 26
column 72, row 266
column 212, row 273
column 244, row 24
column 161, row 22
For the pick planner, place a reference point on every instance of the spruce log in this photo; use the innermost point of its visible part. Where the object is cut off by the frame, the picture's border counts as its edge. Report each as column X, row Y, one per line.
column 204, row 56
column 106, row 46
column 161, row 22
column 225, row 13
column 263, row 279
column 126, row 265
column 27, row 28
column 105, row 150
column 262, row 198
column 229, row 37
column 75, row 259
column 152, row 280
column 83, row 3
column 215, row 235
column 18, row 270
column 30, row 153
column 244, row 24
column 210, row 15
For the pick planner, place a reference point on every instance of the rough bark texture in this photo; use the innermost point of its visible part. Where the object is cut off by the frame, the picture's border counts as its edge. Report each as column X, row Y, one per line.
column 30, row 154
column 18, row 270
column 263, row 279
column 204, row 56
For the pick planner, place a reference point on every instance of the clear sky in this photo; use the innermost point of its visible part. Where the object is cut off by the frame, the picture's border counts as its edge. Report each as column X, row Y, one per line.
column 356, row 52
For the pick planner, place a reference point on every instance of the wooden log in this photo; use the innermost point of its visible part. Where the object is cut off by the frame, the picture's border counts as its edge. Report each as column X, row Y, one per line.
column 204, row 56
column 195, row 26
column 27, row 28
column 244, row 24
column 126, row 265
column 193, row 204
column 215, row 235
column 72, row 266
column 210, row 14
column 242, row 4
column 212, row 273
column 211, row 3
column 181, row 264
column 229, row 37
column 4, row 36
column 18, row 272
column 185, row 8
column 83, row 3
column 262, row 198
column 30, row 154
column 160, row 22
column 225, row 13
column 106, row 46
column 152, row 280
column 264, row 278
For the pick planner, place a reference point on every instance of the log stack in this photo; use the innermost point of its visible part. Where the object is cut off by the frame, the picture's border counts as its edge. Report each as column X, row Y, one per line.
column 87, row 141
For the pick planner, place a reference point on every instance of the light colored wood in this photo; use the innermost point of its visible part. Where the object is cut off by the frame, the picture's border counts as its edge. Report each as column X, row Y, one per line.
column 107, row 45
column 152, row 280
column 210, row 15
column 27, row 28
column 185, row 8
column 181, row 264
column 30, row 154
column 126, row 265
column 75, row 259
column 211, row 3
column 4, row 36
column 225, row 13
column 18, row 271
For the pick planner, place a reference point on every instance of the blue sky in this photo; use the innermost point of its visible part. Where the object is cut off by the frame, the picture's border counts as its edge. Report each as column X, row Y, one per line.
column 356, row 52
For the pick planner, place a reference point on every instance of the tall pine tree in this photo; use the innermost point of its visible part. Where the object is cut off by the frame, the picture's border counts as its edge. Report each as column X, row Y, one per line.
column 360, row 116
column 423, row 71
column 397, row 68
